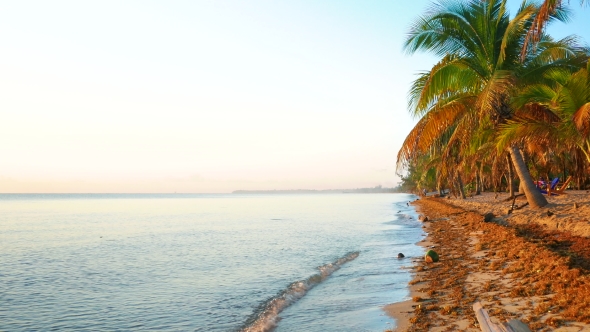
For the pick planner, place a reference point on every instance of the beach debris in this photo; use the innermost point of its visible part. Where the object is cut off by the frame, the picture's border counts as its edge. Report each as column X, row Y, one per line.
column 486, row 324
column 509, row 211
column 512, row 198
column 400, row 255
column 431, row 256
column 488, row 217
column 575, row 205
column 549, row 213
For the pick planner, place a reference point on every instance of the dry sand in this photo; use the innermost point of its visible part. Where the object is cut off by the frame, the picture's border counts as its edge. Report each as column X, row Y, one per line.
column 525, row 265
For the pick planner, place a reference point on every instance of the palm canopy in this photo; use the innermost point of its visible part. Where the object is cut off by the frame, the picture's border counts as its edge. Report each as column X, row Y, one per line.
column 481, row 48
column 479, row 71
column 555, row 111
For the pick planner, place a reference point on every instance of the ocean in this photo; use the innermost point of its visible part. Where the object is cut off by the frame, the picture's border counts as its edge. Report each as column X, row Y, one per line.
column 200, row 262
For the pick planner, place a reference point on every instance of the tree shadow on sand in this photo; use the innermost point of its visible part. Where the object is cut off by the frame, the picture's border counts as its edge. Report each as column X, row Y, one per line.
column 565, row 244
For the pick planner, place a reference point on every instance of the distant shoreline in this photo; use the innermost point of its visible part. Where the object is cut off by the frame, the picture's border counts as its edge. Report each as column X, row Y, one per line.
column 375, row 190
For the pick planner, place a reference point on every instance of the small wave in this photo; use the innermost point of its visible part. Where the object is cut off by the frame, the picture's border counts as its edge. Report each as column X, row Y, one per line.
column 404, row 216
column 266, row 317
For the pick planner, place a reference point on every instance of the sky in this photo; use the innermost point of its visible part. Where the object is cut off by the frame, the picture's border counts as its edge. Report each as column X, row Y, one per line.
column 207, row 96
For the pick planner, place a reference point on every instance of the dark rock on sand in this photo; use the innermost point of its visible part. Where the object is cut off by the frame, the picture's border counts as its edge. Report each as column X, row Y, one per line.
column 400, row 255
column 488, row 217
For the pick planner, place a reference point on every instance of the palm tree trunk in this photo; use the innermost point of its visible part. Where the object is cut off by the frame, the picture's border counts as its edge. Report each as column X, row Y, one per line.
column 520, row 183
column 533, row 195
column 439, row 184
column 460, row 185
column 510, row 177
column 564, row 170
column 477, row 181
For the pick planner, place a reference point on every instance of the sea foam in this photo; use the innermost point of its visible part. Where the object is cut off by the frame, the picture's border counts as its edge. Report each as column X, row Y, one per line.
column 266, row 316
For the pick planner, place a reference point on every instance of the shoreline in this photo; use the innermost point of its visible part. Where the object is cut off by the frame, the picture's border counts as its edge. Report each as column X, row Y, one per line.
column 509, row 267
column 402, row 311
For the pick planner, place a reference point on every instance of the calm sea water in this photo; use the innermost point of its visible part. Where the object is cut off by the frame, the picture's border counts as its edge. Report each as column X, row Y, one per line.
column 203, row 262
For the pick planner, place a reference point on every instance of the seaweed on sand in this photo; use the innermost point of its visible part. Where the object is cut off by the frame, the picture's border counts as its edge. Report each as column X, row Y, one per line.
column 541, row 277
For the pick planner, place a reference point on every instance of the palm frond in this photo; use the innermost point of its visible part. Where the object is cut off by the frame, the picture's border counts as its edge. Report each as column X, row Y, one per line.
column 522, row 130
column 492, row 97
column 515, row 28
column 581, row 119
column 550, row 10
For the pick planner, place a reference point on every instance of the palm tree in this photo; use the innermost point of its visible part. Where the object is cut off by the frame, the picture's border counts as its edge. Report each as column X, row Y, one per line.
column 473, row 83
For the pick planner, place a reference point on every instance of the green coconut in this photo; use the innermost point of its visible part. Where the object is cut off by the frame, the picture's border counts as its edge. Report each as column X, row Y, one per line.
column 431, row 256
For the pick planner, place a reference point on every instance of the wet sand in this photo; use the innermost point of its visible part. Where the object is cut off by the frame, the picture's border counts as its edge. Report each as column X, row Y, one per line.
column 528, row 268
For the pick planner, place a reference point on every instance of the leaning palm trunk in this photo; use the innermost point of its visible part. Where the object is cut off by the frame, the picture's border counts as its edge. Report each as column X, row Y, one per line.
column 520, row 183
column 533, row 195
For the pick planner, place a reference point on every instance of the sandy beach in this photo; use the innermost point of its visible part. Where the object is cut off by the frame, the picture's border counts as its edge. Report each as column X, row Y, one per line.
column 529, row 264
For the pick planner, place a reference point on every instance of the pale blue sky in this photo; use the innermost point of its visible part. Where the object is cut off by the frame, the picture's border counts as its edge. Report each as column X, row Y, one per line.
column 206, row 96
